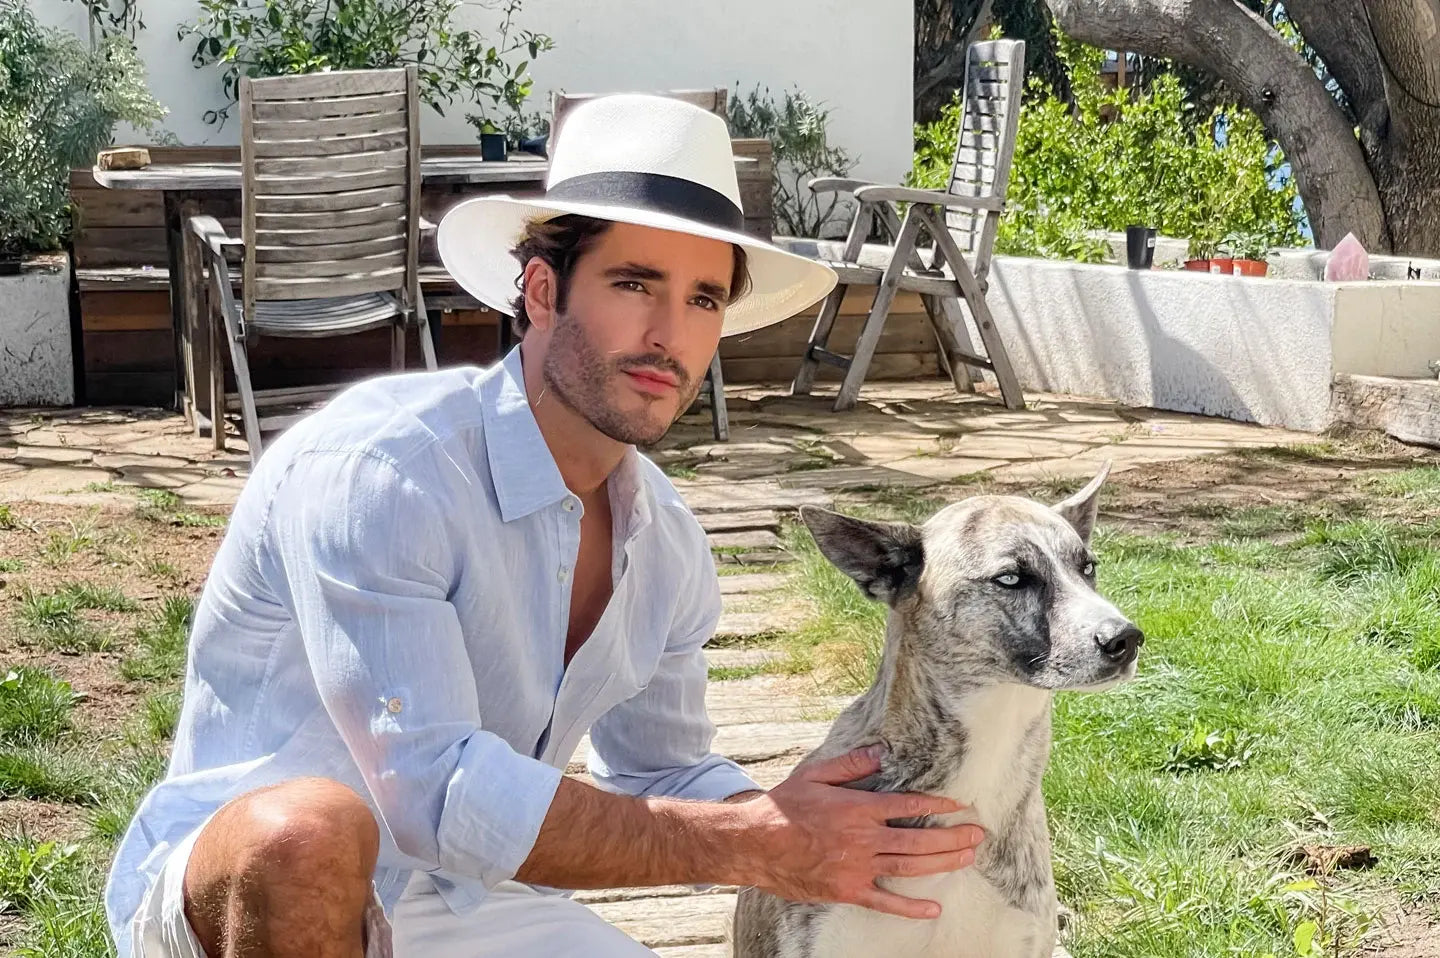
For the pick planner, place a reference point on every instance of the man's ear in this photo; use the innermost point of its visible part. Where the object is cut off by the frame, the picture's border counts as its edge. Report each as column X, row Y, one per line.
column 884, row 558
column 542, row 293
column 1081, row 509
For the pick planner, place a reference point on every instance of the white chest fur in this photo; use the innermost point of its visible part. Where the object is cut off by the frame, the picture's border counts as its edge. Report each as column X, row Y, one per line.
column 976, row 920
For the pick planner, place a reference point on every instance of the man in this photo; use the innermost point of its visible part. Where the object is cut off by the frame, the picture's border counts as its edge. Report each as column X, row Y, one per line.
column 432, row 588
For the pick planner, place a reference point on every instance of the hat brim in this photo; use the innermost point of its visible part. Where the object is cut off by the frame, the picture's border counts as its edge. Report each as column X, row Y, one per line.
column 475, row 239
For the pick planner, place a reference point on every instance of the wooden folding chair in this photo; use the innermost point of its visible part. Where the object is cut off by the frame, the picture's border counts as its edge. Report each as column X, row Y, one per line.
column 961, row 222
column 330, row 229
column 715, row 101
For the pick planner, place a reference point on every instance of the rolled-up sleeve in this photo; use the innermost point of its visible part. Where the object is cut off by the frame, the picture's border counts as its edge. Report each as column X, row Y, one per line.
column 368, row 564
column 658, row 742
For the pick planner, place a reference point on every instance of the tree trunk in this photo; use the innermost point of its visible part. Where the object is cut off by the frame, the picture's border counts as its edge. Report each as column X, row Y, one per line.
column 1340, row 192
column 1406, row 155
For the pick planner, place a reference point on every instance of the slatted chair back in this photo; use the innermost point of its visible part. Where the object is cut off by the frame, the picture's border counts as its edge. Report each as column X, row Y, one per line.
column 714, row 101
column 985, row 146
column 331, row 190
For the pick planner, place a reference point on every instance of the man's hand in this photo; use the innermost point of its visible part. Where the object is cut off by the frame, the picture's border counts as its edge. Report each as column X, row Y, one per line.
column 811, row 840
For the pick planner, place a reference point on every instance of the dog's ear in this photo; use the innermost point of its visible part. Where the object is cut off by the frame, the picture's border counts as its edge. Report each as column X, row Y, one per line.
column 884, row 558
column 1080, row 509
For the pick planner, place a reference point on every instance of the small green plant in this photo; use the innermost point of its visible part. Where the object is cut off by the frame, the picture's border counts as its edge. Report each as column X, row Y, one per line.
column 160, row 652
column 164, row 506
column 55, row 620
column 59, row 104
column 795, row 126
column 30, row 870
column 34, row 707
column 1213, row 750
column 262, row 38
column 12, row 565
column 7, row 518
column 1248, row 244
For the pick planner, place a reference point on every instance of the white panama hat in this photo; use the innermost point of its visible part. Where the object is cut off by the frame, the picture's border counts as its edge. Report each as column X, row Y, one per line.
column 638, row 159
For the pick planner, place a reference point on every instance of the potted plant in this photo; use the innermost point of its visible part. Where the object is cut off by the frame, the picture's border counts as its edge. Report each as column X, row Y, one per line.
column 493, row 145
column 1251, row 251
column 1222, row 261
column 1140, row 246
column 1197, row 255
column 59, row 103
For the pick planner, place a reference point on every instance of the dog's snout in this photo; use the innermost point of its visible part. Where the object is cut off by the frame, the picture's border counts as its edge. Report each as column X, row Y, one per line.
column 1120, row 641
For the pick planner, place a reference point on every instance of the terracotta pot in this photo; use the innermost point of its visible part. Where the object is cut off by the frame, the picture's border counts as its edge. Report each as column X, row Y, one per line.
column 1223, row 264
column 1198, row 265
column 1251, row 267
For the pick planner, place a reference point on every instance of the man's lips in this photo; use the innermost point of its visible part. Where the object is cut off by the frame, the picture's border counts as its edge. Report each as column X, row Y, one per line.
column 653, row 380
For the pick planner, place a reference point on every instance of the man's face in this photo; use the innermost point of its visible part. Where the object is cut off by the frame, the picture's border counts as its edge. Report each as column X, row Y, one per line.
column 641, row 323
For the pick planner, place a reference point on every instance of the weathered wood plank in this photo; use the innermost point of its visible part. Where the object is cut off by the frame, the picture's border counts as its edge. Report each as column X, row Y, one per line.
column 353, row 249
column 882, row 366
column 339, row 146
column 1407, row 409
column 315, row 269
column 317, row 167
column 345, row 83
column 326, row 185
column 364, row 215
column 748, row 539
column 320, row 287
column 321, row 108
column 741, row 521
column 358, row 199
column 366, row 124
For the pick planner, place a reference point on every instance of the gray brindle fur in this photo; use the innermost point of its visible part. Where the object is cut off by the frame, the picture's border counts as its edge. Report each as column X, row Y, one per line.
column 993, row 609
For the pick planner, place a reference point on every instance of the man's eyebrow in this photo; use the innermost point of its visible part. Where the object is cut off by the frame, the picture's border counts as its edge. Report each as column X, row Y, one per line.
column 640, row 271
column 634, row 271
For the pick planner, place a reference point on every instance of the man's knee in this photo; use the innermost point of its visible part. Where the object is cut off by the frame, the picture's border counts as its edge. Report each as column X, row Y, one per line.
column 307, row 827
column 298, row 853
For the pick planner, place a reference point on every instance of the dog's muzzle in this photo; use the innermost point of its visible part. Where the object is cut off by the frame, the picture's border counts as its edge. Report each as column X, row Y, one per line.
column 1120, row 641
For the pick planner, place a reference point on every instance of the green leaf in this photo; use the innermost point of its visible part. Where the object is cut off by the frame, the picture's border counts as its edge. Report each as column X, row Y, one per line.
column 1305, row 937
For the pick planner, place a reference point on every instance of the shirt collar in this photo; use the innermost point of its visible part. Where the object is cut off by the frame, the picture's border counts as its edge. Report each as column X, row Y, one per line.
column 524, row 472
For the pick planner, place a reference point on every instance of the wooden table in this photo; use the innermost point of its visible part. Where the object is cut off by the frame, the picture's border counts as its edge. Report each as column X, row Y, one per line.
column 190, row 189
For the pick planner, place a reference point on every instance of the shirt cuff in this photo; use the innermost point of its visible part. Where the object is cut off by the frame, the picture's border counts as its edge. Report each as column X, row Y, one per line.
column 495, row 804
column 717, row 779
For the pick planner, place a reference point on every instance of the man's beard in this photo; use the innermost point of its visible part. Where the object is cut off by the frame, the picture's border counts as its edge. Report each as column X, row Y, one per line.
column 581, row 378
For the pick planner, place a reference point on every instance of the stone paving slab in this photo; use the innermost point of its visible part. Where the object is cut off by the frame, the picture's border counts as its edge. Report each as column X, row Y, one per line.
column 751, row 582
column 741, row 658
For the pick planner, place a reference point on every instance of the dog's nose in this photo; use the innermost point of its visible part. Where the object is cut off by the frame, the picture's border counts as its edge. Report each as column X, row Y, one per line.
column 1120, row 641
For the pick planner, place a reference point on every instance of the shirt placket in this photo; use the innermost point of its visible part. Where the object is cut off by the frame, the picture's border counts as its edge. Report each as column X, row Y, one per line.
column 566, row 518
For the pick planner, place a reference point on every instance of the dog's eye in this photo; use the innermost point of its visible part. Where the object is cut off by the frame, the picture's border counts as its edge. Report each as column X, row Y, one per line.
column 1088, row 569
column 1010, row 580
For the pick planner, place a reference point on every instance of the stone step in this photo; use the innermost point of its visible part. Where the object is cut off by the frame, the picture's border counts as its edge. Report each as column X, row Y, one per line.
column 752, row 582
column 741, row 658
column 747, row 539
column 705, row 497
column 741, row 521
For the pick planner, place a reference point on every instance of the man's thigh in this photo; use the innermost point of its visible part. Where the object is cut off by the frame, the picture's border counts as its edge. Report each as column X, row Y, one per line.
column 515, row 921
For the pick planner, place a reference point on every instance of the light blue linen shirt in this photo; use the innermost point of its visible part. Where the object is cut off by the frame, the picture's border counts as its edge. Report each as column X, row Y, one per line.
column 389, row 609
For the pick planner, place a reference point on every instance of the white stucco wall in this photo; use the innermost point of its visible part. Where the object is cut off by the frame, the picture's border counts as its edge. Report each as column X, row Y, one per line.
column 1387, row 329
column 613, row 45
column 1249, row 349
column 35, row 364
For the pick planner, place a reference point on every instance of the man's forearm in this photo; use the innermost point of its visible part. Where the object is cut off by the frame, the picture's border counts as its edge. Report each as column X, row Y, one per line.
column 595, row 839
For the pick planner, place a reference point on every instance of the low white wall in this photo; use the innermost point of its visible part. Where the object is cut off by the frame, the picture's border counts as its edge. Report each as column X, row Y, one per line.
column 1387, row 329
column 1248, row 349
column 35, row 364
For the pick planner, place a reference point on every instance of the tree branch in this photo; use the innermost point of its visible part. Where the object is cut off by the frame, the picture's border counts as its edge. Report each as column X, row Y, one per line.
column 1340, row 33
column 1270, row 78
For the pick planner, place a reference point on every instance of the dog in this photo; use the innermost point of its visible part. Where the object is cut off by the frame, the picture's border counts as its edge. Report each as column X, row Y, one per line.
column 993, row 609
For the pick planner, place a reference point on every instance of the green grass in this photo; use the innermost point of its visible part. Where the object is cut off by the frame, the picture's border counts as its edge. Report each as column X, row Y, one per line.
column 12, row 565
column 1288, row 691
column 164, row 506
column 47, row 775
column 56, row 889
column 34, row 707
column 8, row 519
column 160, row 644
column 55, row 622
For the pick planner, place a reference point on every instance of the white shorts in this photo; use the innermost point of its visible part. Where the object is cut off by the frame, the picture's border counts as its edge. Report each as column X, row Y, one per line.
column 514, row 921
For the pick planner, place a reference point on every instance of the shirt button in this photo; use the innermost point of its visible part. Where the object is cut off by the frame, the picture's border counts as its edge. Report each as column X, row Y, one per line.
column 394, row 706
column 568, row 505
column 564, row 573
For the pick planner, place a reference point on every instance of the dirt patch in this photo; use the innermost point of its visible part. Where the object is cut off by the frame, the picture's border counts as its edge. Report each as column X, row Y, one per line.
column 1410, row 932
column 47, row 821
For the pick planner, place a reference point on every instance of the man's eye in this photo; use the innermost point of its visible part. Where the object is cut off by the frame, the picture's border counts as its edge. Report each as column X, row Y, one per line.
column 705, row 302
column 1010, row 580
column 631, row 284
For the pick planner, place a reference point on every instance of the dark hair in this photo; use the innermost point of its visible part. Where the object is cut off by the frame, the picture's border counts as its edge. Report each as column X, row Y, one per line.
column 561, row 242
